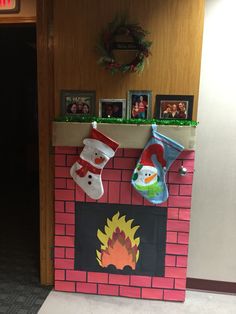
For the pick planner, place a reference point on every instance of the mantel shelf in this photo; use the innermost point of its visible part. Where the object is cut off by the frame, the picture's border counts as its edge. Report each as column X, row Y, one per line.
column 128, row 135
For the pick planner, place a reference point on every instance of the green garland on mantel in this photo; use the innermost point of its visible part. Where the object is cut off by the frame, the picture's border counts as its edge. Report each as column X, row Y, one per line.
column 89, row 119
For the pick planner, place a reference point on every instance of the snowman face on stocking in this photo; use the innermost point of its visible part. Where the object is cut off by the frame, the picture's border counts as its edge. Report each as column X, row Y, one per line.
column 94, row 156
column 145, row 179
column 145, row 175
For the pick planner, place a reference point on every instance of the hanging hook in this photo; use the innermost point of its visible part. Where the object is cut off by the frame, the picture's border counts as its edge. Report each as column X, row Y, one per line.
column 94, row 124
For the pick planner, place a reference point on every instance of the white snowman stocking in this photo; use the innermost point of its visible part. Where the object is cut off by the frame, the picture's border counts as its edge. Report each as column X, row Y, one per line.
column 87, row 170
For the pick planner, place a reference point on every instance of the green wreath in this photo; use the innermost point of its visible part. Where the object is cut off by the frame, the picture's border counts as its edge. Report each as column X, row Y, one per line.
column 120, row 26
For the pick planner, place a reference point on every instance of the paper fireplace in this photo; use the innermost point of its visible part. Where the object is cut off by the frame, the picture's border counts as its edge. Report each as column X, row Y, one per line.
column 77, row 268
column 120, row 239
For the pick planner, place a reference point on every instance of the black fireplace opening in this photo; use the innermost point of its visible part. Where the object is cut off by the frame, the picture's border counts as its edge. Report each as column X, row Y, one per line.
column 120, row 238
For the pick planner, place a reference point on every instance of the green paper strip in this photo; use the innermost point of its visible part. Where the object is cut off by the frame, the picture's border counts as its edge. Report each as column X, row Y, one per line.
column 89, row 119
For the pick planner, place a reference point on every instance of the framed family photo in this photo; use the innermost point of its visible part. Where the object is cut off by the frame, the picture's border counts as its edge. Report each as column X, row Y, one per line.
column 112, row 108
column 139, row 104
column 174, row 107
column 78, row 102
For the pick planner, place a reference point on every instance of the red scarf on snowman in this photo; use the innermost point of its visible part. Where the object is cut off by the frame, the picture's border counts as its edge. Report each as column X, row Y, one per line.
column 86, row 166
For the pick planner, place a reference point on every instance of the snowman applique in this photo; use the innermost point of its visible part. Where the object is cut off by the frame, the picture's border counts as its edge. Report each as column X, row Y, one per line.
column 87, row 170
column 147, row 176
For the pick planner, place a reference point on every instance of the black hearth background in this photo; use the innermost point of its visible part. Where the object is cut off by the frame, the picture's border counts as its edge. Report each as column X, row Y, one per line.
column 152, row 233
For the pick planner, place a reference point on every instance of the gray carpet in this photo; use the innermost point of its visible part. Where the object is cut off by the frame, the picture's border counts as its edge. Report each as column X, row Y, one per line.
column 20, row 290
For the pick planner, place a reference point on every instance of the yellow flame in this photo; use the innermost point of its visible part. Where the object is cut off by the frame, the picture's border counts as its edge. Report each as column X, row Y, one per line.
column 125, row 226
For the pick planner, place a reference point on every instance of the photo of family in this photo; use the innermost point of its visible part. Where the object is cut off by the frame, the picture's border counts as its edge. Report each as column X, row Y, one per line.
column 112, row 108
column 78, row 103
column 139, row 104
column 174, row 110
column 174, row 107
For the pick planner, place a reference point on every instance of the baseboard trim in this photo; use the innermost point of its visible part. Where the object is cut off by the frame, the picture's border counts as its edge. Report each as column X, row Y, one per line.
column 211, row 285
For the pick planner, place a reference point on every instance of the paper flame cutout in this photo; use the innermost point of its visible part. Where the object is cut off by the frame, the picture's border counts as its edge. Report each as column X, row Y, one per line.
column 118, row 245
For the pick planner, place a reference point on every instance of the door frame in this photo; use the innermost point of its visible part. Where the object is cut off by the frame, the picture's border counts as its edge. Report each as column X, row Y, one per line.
column 45, row 71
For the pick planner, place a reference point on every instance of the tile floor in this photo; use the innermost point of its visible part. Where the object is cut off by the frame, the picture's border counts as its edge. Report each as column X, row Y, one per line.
column 196, row 302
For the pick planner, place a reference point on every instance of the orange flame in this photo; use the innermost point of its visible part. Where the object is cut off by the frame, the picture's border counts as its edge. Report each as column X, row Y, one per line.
column 119, row 247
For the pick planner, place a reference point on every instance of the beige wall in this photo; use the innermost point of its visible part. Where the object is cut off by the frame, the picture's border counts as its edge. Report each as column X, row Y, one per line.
column 212, row 251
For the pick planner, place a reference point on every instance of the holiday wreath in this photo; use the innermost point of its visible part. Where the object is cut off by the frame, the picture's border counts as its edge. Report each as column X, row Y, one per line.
column 120, row 26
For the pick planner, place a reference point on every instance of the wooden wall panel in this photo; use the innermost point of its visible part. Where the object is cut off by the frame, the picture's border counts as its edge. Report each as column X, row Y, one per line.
column 176, row 32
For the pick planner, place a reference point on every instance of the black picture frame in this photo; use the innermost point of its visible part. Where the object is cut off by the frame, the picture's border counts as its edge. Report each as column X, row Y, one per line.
column 171, row 107
column 112, row 108
column 78, row 103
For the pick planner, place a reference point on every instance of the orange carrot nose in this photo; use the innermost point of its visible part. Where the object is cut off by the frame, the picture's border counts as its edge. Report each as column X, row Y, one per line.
column 149, row 179
column 99, row 161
